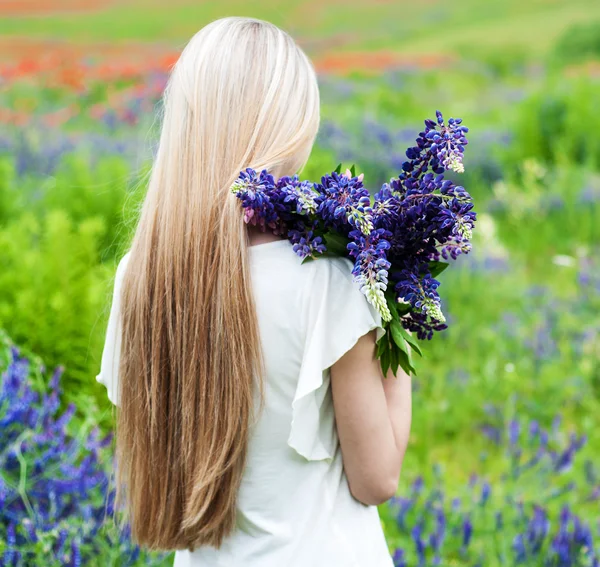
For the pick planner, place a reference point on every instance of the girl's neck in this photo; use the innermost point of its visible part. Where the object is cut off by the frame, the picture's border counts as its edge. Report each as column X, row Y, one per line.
column 256, row 236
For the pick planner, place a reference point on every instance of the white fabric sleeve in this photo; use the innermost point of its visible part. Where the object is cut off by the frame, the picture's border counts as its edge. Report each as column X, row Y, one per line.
column 336, row 315
column 109, row 366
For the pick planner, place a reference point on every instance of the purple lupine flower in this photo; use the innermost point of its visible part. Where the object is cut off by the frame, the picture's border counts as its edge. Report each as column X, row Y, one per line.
column 455, row 505
column 60, row 541
column 436, row 539
column 345, row 203
column 494, row 434
column 486, row 491
column 399, row 558
column 75, row 554
column 534, row 430
column 422, row 325
column 404, row 506
column 254, row 191
column 10, row 555
column 564, row 460
column 419, row 543
column 582, row 535
column 421, row 293
column 537, row 530
column 305, row 242
column 300, row 196
column 449, row 143
column 514, row 431
column 467, row 531
column 522, row 530
column 417, row 486
column 560, row 546
column 371, row 266
column 30, row 529
column 519, row 549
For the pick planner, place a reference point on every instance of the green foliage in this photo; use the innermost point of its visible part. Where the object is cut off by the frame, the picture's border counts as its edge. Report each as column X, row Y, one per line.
column 556, row 124
column 8, row 189
column 58, row 251
column 108, row 191
column 320, row 162
column 578, row 42
column 503, row 63
column 394, row 348
column 52, row 289
column 559, row 206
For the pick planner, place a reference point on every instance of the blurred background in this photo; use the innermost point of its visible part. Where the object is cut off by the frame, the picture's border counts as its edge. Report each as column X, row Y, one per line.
column 503, row 465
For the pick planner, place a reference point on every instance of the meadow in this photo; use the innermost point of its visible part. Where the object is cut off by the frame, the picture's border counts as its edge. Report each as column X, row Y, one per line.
column 502, row 467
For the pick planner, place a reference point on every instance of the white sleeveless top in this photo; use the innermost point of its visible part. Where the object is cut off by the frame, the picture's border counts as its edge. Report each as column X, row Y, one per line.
column 294, row 507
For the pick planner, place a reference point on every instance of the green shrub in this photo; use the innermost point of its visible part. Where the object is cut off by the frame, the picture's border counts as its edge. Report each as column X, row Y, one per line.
column 556, row 125
column 578, row 42
column 60, row 240
column 53, row 289
column 9, row 195
column 109, row 190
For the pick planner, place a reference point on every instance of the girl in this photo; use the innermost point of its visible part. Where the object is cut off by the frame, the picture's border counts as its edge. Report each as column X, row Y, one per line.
column 254, row 425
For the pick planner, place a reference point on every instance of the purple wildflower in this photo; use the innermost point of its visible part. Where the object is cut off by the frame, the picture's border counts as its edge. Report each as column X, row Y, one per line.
column 399, row 558
column 345, row 203
column 253, row 190
column 305, row 242
column 66, row 482
column 371, row 266
column 467, row 531
column 419, row 543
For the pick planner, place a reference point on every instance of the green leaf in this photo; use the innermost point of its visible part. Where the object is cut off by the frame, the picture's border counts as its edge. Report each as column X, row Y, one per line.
column 333, row 236
column 392, row 305
column 403, row 308
column 336, row 243
column 396, row 330
column 397, row 309
column 395, row 353
column 353, row 171
column 436, row 268
column 307, row 259
column 338, row 169
column 411, row 341
column 406, row 364
column 385, row 361
column 382, row 344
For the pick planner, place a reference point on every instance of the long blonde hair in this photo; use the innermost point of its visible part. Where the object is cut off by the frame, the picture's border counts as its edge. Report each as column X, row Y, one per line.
column 242, row 94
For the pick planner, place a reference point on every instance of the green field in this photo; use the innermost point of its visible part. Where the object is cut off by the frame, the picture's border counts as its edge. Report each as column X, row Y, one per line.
column 466, row 26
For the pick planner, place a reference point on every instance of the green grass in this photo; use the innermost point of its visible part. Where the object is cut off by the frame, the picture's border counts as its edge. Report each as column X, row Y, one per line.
column 433, row 27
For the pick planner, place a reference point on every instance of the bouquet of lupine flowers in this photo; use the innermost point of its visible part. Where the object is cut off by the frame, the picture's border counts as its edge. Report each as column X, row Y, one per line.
column 398, row 239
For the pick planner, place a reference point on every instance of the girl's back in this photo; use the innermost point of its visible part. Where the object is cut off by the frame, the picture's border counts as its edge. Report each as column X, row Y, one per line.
column 294, row 506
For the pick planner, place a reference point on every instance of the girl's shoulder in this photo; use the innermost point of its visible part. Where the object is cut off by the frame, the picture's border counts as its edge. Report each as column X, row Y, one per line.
column 122, row 264
column 334, row 273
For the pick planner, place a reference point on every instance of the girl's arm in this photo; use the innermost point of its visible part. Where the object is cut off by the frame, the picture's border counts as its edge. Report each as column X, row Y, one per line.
column 373, row 417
